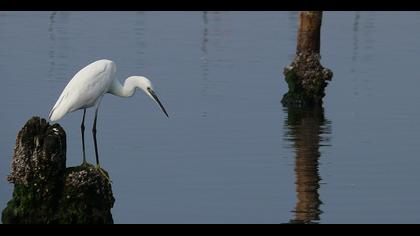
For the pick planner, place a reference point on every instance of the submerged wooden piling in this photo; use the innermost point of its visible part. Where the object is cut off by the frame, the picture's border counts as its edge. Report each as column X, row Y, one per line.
column 45, row 191
column 306, row 77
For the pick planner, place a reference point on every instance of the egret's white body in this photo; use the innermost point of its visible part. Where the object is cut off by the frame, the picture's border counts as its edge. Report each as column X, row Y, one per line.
column 85, row 89
column 90, row 84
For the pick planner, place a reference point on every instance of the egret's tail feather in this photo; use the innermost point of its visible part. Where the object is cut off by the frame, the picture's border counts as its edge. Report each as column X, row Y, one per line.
column 59, row 109
column 56, row 114
column 51, row 112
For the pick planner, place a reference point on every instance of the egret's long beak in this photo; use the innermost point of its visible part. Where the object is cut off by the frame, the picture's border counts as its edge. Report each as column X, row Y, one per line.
column 154, row 96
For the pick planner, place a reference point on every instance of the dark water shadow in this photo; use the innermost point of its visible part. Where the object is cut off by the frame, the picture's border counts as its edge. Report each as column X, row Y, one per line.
column 307, row 130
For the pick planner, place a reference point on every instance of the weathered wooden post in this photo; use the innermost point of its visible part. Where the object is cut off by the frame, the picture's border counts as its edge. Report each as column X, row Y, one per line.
column 44, row 190
column 306, row 77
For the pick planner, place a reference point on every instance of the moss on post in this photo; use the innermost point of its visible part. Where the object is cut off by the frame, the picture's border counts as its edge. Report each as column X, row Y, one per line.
column 44, row 190
column 306, row 77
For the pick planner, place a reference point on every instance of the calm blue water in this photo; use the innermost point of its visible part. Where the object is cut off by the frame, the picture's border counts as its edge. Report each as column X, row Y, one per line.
column 230, row 153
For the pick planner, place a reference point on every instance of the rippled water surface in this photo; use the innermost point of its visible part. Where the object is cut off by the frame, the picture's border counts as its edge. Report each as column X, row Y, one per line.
column 230, row 153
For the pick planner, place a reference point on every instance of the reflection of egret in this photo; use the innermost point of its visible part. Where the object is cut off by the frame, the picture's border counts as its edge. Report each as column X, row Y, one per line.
column 305, row 128
column 87, row 88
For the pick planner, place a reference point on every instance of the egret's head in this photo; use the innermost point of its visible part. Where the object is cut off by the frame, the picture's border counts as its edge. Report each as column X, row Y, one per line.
column 144, row 84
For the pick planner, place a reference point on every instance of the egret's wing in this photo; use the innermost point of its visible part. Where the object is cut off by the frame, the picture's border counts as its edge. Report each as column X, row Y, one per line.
column 84, row 89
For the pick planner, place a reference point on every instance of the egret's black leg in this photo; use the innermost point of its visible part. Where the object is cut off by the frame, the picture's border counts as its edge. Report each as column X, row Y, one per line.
column 82, row 127
column 94, row 137
column 96, row 147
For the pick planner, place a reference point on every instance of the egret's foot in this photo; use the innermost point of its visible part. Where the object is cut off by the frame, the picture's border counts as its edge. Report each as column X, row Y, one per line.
column 84, row 163
column 103, row 173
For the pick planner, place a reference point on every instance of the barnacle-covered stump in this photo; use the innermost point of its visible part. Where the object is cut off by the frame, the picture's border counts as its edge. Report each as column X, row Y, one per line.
column 44, row 190
column 306, row 77
column 87, row 197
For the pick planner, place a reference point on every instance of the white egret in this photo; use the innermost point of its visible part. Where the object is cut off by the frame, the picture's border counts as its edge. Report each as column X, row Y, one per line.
column 87, row 88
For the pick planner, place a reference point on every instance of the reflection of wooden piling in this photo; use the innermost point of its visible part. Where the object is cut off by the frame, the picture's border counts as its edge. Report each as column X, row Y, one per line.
column 44, row 190
column 306, row 169
column 305, row 127
column 306, row 77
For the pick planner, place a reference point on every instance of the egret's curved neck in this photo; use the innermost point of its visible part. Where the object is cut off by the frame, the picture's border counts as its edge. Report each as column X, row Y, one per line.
column 129, row 87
